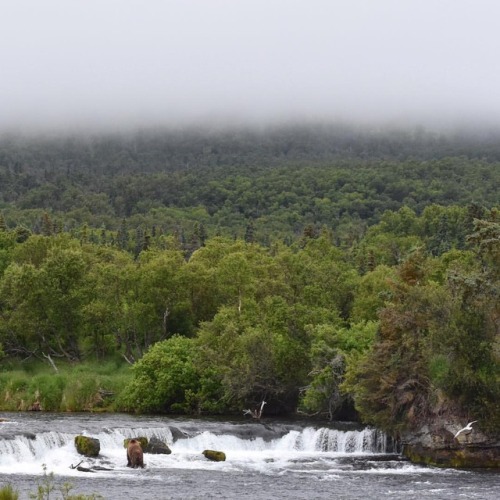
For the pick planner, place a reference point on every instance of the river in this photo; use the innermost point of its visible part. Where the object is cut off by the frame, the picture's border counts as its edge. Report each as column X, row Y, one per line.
column 269, row 459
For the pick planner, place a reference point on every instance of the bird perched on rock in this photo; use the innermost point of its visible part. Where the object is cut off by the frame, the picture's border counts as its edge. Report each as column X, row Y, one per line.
column 466, row 429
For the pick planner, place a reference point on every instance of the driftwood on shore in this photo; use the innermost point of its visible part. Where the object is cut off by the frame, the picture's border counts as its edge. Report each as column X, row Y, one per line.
column 95, row 468
column 257, row 413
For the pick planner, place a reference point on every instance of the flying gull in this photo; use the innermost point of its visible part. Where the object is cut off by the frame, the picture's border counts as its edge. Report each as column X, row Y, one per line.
column 466, row 429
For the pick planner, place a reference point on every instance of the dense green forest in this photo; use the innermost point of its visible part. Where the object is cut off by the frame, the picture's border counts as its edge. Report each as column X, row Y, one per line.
column 325, row 270
column 265, row 184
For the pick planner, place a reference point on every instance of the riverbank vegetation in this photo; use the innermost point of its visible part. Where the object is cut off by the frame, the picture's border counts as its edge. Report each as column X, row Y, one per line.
column 351, row 279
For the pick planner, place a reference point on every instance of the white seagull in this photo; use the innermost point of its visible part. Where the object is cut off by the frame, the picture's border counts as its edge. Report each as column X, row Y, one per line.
column 467, row 428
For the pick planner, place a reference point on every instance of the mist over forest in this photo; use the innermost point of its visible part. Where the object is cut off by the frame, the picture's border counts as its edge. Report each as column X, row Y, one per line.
column 118, row 65
column 276, row 179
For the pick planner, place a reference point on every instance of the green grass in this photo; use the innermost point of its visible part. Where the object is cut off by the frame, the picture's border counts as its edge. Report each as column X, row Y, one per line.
column 7, row 492
column 88, row 386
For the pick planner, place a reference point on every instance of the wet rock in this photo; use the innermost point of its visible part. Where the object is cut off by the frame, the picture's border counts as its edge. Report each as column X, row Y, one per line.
column 178, row 434
column 215, row 456
column 28, row 435
column 435, row 444
column 157, row 447
column 87, row 446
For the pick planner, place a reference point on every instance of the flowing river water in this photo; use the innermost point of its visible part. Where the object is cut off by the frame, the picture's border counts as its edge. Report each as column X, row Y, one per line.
column 264, row 460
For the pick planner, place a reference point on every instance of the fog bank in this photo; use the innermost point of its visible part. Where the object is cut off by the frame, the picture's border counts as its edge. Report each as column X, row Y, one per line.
column 133, row 63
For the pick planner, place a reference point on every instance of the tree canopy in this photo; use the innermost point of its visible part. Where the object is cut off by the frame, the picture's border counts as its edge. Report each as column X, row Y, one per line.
column 326, row 273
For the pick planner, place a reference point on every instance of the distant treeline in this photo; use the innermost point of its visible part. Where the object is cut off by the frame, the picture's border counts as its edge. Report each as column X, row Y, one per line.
column 270, row 183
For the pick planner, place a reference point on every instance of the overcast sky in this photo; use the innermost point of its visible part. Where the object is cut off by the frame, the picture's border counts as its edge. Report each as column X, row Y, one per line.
column 115, row 62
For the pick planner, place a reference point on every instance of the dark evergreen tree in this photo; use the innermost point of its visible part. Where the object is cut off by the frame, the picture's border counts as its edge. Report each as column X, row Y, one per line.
column 122, row 236
column 47, row 225
column 249, row 232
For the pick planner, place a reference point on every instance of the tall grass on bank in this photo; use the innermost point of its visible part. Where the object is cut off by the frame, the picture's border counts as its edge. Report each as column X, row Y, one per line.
column 8, row 492
column 77, row 387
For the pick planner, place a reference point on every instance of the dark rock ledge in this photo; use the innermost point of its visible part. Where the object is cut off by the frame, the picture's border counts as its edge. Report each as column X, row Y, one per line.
column 435, row 444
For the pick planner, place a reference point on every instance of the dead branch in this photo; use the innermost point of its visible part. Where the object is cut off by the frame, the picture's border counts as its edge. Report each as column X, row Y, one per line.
column 103, row 393
column 129, row 361
column 51, row 361
column 257, row 413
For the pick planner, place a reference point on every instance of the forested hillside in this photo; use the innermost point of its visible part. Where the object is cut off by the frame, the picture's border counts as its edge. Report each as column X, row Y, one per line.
column 272, row 183
column 323, row 271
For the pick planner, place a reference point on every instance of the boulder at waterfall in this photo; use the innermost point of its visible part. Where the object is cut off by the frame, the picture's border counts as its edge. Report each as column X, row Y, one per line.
column 435, row 444
column 215, row 456
column 157, row 447
column 87, row 446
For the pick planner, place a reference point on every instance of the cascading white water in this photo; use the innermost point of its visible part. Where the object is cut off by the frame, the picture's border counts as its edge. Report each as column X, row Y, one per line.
column 264, row 460
column 332, row 440
column 306, row 440
column 56, row 450
column 23, row 448
column 115, row 437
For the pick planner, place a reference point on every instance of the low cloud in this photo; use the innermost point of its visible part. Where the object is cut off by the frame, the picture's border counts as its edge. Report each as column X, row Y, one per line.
column 116, row 63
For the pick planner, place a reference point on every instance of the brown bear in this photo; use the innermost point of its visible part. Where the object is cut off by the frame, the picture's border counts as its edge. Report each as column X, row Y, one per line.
column 135, row 457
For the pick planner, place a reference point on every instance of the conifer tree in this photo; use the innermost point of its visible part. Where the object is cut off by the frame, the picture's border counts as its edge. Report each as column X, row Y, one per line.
column 47, row 226
column 122, row 236
column 249, row 232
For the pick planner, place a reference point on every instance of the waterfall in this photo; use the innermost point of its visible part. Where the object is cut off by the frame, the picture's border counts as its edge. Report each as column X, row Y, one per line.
column 29, row 448
column 25, row 452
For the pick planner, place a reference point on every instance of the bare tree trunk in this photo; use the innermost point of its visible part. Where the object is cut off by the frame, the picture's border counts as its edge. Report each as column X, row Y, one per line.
column 51, row 361
column 128, row 360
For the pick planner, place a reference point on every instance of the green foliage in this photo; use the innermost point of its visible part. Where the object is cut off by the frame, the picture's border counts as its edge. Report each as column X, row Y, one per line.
column 48, row 390
column 333, row 348
column 84, row 387
column 162, row 377
column 195, row 184
column 8, row 492
column 13, row 387
column 373, row 291
column 440, row 371
column 81, row 392
column 364, row 279
column 436, row 348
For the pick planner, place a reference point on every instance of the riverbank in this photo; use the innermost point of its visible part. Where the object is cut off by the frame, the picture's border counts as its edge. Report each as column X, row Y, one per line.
column 446, row 444
column 97, row 388
column 89, row 386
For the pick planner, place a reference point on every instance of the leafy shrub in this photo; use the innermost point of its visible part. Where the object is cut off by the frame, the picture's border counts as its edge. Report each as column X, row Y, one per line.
column 14, row 392
column 162, row 377
column 439, row 370
column 48, row 390
column 81, row 392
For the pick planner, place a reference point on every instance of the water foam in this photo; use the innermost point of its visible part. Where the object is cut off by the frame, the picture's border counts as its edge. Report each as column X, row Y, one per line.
column 57, row 452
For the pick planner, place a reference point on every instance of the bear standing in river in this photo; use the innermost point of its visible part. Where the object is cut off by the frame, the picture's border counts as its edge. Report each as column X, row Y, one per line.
column 134, row 454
